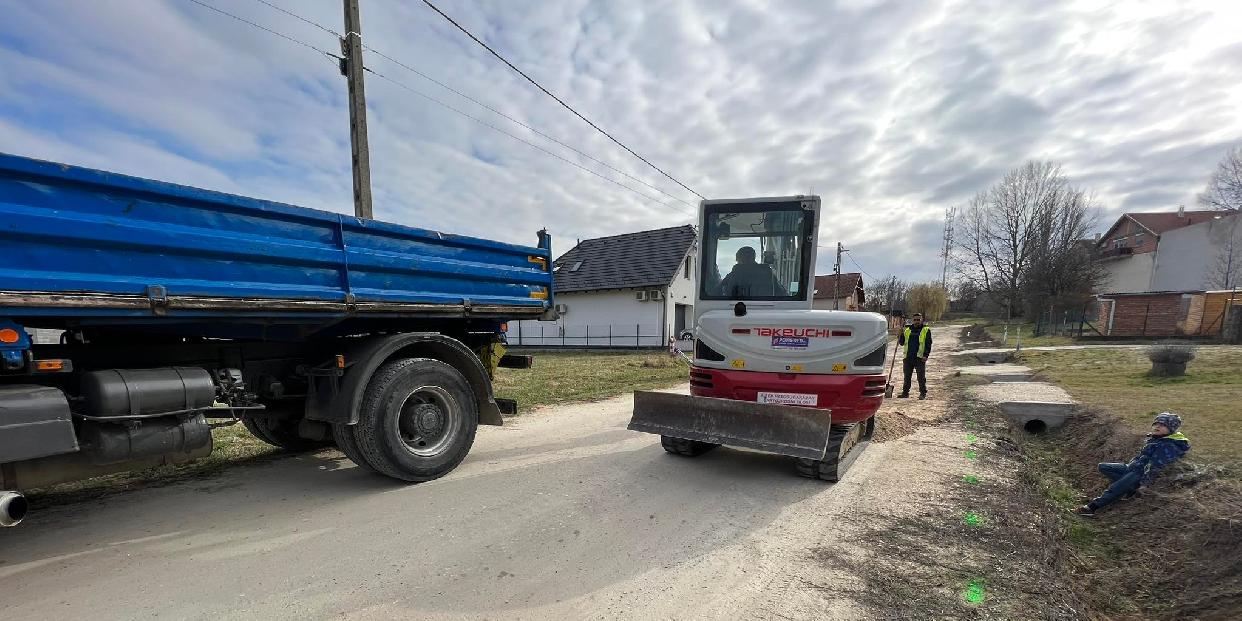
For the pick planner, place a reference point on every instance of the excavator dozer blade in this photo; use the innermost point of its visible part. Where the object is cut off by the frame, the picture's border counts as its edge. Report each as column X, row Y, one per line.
column 780, row 429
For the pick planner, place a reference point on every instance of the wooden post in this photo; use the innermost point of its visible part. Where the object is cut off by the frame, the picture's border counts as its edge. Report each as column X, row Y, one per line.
column 351, row 48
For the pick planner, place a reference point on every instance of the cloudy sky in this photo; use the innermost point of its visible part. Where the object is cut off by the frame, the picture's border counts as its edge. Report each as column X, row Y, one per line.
column 892, row 111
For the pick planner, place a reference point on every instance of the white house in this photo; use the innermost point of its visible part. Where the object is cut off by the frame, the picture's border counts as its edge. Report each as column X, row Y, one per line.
column 631, row 290
column 1171, row 251
column 1207, row 255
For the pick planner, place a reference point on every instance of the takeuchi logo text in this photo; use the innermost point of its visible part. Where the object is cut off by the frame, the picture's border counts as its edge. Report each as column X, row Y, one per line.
column 814, row 333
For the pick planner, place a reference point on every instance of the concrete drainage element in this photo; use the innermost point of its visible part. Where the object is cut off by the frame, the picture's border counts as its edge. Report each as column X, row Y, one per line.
column 1035, row 426
column 993, row 357
column 1037, row 416
column 1000, row 372
column 1010, row 377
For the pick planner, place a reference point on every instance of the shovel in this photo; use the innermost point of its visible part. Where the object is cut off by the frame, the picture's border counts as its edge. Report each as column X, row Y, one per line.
column 888, row 388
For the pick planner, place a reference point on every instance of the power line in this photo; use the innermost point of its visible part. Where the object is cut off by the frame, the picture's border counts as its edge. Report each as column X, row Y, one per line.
column 335, row 57
column 558, row 99
column 520, row 139
column 516, row 121
column 473, row 100
column 429, row 98
column 302, row 19
column 860, row 267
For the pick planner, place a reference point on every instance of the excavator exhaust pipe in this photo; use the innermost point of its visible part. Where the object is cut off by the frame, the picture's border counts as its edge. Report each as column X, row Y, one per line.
column 13, row 508
column 781, row 429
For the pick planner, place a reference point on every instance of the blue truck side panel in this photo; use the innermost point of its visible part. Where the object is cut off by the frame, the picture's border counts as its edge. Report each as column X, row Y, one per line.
column 65, row 229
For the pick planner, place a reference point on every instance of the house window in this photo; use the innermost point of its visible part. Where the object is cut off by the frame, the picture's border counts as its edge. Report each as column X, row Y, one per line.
column 1119, row 243
column 1138, row 239
column 689, row 266
column 577, row 266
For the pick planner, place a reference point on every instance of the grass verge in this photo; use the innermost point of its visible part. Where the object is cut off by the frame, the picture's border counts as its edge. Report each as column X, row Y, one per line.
column 1022, row 332
column 568, row 377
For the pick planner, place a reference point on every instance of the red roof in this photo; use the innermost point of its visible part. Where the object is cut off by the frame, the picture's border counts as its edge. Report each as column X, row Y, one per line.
column 825, row 286
column 1160, row 222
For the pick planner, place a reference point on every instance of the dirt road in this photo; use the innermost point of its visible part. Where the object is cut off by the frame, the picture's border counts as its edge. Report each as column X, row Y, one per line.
column 560, row 514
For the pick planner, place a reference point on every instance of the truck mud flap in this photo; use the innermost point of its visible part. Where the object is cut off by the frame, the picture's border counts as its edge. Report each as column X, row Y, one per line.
column 780, row 429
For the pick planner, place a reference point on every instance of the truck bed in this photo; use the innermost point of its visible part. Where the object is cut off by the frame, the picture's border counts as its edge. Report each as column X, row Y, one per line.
column 82, row 246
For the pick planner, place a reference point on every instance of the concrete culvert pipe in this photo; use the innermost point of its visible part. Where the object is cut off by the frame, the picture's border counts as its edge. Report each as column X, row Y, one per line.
column 1035, row 426
column 13, row 507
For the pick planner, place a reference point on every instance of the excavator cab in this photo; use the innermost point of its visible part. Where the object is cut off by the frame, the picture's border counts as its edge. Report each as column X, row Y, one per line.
column 769, row 372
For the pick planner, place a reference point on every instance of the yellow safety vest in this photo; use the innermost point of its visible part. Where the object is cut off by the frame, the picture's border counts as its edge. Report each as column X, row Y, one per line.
column 922, row 340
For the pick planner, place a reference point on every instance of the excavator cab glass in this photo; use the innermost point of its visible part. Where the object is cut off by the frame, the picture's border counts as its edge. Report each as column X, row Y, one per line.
column 756, row 251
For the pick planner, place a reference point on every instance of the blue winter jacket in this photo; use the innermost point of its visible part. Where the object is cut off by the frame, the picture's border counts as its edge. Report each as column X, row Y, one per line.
column 1158, row 452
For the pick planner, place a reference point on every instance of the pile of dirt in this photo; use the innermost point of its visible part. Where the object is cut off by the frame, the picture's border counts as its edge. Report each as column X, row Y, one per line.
column 977, row 336
column 1175, row 550
column 892, row 424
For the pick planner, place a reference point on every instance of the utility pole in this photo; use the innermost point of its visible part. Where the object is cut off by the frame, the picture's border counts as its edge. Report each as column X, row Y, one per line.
column 351, row 68
column 836, row 281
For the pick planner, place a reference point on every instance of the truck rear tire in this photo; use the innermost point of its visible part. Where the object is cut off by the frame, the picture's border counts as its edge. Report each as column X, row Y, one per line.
column 417, row 420
column 348, row 444
column 687, row 448
column 280, row 432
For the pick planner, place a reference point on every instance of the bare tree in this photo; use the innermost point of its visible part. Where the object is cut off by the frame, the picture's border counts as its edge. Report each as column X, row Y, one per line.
column 1063, row 272
column 886, row 295
column 1020, row 240
column 1224, row 190
column 965, row 296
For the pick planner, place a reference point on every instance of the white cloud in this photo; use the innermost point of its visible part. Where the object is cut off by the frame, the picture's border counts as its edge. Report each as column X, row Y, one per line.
column 891, row 110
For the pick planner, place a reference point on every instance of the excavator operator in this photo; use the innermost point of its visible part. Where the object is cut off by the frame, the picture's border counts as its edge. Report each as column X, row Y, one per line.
column 749, row 279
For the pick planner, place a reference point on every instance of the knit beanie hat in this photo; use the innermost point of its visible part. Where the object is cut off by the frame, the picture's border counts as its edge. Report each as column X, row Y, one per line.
column 1170, row 420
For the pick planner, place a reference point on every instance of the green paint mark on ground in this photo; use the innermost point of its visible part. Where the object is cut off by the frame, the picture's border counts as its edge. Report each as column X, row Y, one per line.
column 972, row 479
column 972, row 519
column 971, row 454
column 972, row 438
column 974, row 592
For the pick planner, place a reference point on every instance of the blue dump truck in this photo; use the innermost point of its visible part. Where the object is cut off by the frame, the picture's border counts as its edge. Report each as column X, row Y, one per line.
column 179, row 309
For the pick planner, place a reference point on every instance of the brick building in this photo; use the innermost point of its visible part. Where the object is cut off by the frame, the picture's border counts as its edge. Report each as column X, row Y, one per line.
column 1133, row 249
column 1171, row 313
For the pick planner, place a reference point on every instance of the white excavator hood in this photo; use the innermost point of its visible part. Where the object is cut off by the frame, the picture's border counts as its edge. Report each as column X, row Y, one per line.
column 792, row 341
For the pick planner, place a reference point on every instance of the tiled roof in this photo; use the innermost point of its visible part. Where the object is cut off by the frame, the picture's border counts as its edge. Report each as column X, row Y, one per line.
column 824, row 286
column 629, row 261
column 1160, row 222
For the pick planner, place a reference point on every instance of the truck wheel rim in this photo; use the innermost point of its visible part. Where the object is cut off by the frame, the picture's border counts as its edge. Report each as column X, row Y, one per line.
column 429, row 421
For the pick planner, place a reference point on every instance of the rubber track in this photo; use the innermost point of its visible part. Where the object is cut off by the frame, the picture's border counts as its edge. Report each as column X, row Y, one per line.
column 687, row 448
column 833, row 468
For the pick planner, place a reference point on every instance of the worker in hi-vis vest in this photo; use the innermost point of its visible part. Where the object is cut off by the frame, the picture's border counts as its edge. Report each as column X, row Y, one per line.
column 918, row 341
